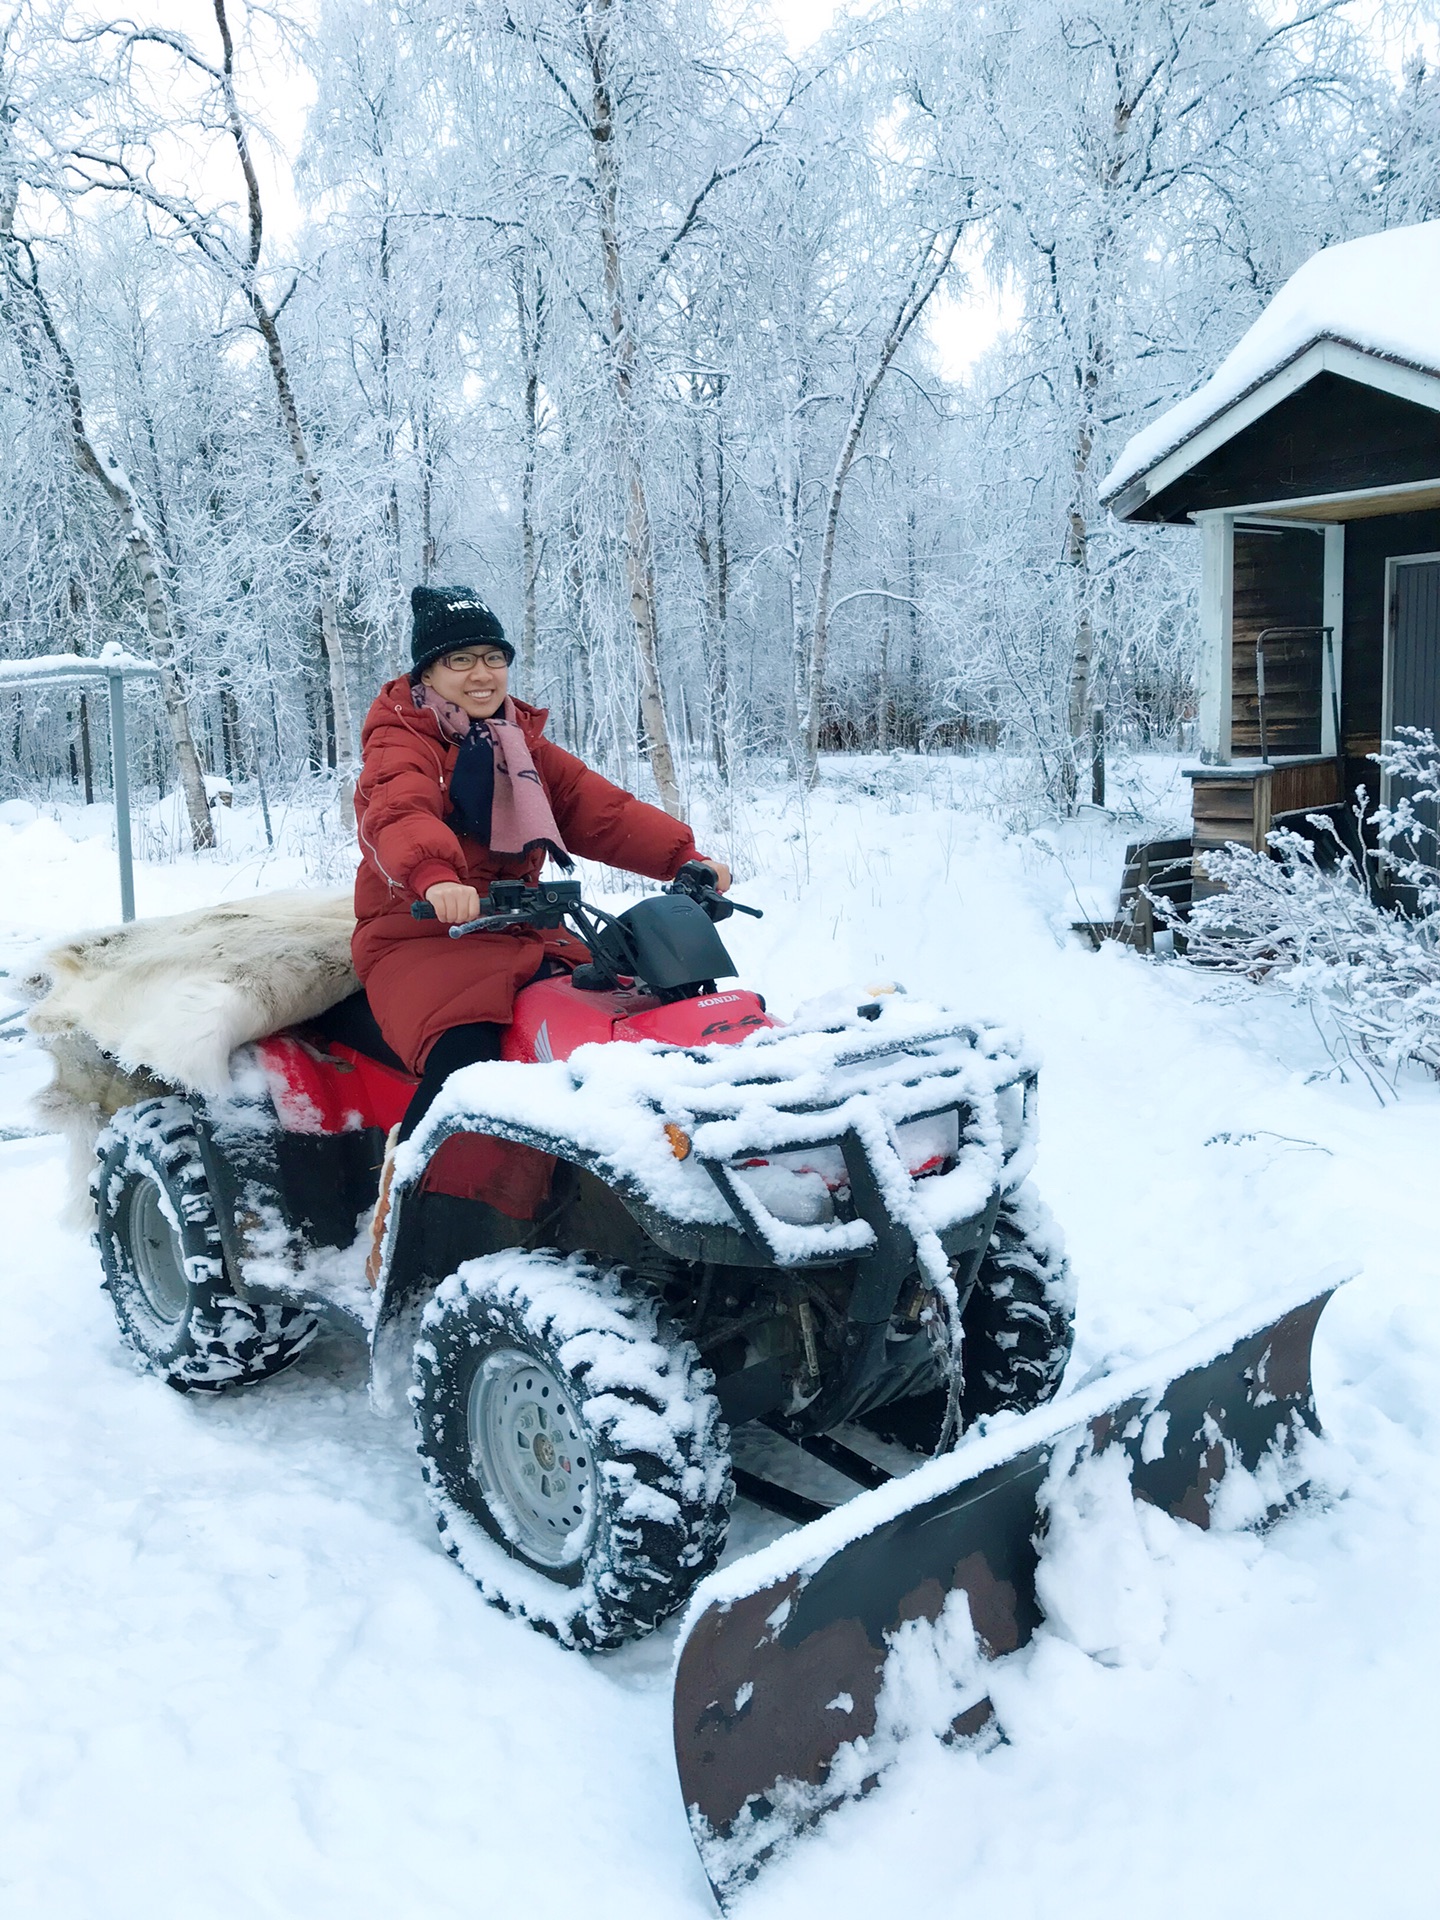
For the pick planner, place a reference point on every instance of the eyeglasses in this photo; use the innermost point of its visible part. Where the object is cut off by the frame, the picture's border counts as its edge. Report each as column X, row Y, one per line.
column 462, row 662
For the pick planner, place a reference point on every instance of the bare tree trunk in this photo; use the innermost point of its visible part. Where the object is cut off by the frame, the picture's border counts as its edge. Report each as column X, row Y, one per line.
column 713, row 548
column 793, row 547
column 912, row 587
column 23, row 283
column 265, row 320
column 428, row 550
column 720, row 681
column 395, row 650
column 639, row 533
column 578, row 620
column 530, row 310
column 935, row 263
column 882, row 703
column 1077, row 557
column 328, row 597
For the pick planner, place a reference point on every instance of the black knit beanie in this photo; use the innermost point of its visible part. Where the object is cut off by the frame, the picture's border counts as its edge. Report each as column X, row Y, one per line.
column 445, row 619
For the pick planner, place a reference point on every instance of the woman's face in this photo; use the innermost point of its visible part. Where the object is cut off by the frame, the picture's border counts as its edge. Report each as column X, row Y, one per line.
column 476, row 679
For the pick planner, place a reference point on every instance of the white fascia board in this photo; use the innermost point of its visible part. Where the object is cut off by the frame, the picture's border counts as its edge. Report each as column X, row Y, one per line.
column 1217, row 595
column 1332, row 656
column 1324, row 356
column 1283, row 513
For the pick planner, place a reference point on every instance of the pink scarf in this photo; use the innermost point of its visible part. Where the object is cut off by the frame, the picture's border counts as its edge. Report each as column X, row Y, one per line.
column 520, row 815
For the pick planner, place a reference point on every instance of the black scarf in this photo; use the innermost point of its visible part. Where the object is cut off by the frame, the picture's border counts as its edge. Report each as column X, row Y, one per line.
column 472, row 784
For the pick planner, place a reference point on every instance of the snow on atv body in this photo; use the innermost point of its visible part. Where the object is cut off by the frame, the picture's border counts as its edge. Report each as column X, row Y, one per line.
column 659, row 1215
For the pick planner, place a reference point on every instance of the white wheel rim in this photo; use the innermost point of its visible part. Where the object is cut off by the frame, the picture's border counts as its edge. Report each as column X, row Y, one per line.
column 532, row 1457
column 158, row 1259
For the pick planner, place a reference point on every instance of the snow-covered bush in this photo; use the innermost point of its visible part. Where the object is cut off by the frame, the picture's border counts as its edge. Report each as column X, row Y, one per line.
column 1355, row 938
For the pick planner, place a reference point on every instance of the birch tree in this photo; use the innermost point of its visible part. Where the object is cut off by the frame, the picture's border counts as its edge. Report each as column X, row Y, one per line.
column 28, row 314
column 124, row 163
column 1141, row 145
column 597, row 71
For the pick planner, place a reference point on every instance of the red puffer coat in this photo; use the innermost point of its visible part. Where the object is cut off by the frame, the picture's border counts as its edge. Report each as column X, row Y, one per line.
column 419, row 981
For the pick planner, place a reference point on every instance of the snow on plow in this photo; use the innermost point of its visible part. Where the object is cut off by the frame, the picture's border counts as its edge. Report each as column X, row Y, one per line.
column 790, row 1661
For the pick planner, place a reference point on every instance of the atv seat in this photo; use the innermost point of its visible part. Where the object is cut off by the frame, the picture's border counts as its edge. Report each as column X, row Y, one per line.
column 353, row 1024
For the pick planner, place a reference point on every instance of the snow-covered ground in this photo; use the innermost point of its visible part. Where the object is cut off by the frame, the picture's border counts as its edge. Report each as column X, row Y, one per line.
column 241, row 1679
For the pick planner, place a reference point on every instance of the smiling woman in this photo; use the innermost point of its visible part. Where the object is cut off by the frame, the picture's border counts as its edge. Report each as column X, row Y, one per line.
column 458, row 788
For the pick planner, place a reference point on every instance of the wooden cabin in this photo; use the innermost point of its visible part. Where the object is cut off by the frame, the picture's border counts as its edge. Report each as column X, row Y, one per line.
column 1310, row 464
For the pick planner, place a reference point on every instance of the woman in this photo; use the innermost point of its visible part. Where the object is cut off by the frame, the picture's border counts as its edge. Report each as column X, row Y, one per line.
column 458, row 787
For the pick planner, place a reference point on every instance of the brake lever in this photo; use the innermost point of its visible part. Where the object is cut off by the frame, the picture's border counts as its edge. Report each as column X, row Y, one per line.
column 487, row 923
column 491, row 923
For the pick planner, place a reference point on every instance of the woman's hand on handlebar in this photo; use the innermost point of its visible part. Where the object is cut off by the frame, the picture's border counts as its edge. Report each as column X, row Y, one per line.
column 719, row 869
column 454, row 904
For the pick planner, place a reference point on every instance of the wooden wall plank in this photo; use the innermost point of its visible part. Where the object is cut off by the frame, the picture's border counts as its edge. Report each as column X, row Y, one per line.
column 1279, row 581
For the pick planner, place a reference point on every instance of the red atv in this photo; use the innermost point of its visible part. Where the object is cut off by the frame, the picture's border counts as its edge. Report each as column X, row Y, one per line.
column 658, row 1216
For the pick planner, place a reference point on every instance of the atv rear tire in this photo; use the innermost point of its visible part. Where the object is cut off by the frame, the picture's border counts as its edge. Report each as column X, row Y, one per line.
column 1019, row 1322
column 562, row 1421
column 159, row 1245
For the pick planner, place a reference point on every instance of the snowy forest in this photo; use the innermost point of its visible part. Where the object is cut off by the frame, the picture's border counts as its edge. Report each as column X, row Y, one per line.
column 766, row 393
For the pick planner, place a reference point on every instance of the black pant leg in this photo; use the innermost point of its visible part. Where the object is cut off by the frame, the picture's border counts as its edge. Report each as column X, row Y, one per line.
column 457, row 1047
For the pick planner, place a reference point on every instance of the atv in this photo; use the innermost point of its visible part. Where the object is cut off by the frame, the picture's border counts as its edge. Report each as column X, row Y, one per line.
column 659, row 1216
column 662, row 1218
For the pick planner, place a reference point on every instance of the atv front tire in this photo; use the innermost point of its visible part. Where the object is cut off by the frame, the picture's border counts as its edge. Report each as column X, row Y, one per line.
column 1018, row 1325
column 1019, row 1322
column 159, row 1244
column 563, row 1422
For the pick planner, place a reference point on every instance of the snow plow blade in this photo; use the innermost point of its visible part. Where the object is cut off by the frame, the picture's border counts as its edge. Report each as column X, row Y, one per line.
column 782, row 1659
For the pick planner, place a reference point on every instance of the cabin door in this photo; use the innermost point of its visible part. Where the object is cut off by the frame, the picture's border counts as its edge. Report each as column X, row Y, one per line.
column 1412, row 663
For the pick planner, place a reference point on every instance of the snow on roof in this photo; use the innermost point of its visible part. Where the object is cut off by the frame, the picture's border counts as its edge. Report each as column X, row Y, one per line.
column 1380, row 295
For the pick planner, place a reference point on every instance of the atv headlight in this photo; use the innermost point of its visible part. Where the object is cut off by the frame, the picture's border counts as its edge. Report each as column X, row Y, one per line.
column 1010, row 1107
column 798, row 1186
column 930, row 1144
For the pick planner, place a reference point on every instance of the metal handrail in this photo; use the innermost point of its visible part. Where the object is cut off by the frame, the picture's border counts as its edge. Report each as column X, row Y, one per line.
column 1275, row 633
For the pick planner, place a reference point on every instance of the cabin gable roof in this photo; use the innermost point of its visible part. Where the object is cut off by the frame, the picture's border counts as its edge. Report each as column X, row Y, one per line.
column 1358, row 319
column 1330, row 432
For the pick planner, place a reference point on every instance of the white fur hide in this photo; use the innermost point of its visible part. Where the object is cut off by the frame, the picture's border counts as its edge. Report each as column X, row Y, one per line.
column 175, row 997
column 128, row 1012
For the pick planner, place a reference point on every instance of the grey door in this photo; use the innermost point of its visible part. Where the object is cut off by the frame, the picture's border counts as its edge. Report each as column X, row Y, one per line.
column 1415, row 661
column 1415, row 645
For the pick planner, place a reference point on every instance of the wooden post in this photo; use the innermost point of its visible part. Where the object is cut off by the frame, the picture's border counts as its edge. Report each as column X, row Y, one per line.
column 1097, row 757
column 86, row 760
column 1142, row 919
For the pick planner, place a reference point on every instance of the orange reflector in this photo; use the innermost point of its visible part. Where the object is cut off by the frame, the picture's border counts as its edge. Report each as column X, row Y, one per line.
column 679, row 1140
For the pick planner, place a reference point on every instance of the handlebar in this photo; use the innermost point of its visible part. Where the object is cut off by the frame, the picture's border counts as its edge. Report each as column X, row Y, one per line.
column 697, row 881
column 510, row 903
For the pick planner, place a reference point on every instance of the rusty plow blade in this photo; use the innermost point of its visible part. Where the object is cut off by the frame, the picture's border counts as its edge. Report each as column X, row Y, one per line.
column 789, row 1661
